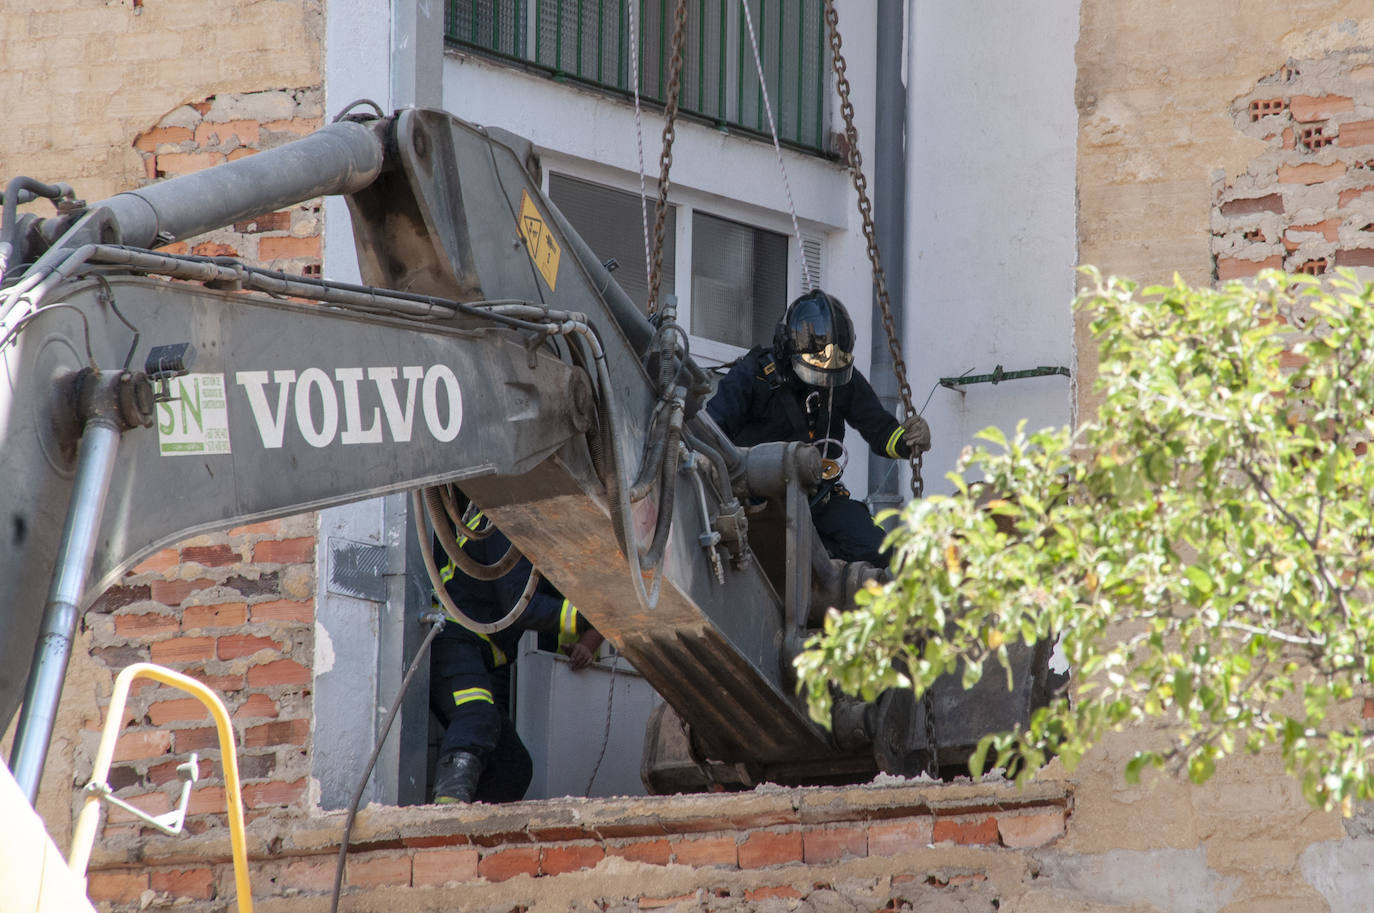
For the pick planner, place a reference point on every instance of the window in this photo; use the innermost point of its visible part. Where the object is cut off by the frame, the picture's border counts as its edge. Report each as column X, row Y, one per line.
column 589, row 41
column 739, row 281
column 611, row 223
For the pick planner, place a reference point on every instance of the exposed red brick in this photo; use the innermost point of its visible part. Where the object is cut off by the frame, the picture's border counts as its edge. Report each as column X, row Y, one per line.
column 831, row 844
column 1290, row 360
column 889, row 838
column 559, row 859
column 654, row 903
column 177, row 711
column 505, row 864
column 1271, row 202
column 284, row 551
column 315, row 874
column 561, row 834
column 1360, row 256
column 287, row 248
column 171, row 163
column 272, row 221
column 174, row 592
column 223, row 682
column 159, row 774
column 1310, row 173
column 765, row 848
column 1355, row 193
column 653, row 852
column 1328, row 228
column 965, row 831
column 241, row 153
column 437, row 840
column 182, row 650
column 117, row 597
column 281, row 672
column 1231, row 268
column 446, row 866
column 1368, row 711
column 221, row 615
column 176, row 247
column 1357, row 133
column 158, row 562
column 232, row 646
column 264, row 527
column 1033, row 829
column 705, row 851
column 298, row 125
column 216, row 249
column 261, row 795
column 389, row 870
column 282, row 732
column 148, row 803
column 232, row 132
column 142, row 743
column 284, row 610
column 786, row 892
column 1288, row 138
column 1307, row 108
column 1265, row 107
column 212, row 555
column 197, row 884
column 257, row 705
column 207, row 800
column 196, row 739
column 145, row 625
column 118, row 886
column 149, row 140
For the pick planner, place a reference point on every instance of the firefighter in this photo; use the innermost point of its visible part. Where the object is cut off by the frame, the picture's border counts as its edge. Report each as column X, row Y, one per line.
column 805, row 388
column 481, row 756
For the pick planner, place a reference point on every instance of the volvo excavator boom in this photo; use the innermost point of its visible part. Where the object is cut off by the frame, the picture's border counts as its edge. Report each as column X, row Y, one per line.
column 146, row 397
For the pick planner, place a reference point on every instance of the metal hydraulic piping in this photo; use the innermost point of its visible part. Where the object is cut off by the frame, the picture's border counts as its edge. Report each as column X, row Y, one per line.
column 889, row 177
column 95, row 465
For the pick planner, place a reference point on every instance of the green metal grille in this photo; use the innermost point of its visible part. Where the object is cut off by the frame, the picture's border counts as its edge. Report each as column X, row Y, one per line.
column 588, row 41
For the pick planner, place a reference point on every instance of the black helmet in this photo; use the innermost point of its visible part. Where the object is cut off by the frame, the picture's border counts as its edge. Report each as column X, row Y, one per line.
column 816, row 337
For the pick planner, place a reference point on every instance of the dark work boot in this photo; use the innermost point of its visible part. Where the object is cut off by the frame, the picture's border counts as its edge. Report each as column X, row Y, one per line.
column 455, row 777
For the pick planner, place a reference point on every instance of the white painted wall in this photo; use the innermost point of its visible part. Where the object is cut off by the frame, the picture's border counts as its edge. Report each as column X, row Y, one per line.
column 991, row 230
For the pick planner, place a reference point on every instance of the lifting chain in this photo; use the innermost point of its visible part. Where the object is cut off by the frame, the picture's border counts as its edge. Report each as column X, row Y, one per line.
column 665, row 159
column 855, row 161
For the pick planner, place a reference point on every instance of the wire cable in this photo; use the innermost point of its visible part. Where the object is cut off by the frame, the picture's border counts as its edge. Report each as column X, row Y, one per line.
column 436, row 625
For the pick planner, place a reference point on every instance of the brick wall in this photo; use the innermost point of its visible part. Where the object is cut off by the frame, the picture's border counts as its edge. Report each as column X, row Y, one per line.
column 893, row 847
column 234, row 610
column 1306, row 203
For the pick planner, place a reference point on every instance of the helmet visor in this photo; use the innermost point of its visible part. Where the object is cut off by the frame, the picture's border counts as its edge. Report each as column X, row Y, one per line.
column 830, row 358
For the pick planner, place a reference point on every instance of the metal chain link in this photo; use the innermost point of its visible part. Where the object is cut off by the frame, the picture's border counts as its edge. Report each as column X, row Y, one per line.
column 665, row 160
column 855, row 161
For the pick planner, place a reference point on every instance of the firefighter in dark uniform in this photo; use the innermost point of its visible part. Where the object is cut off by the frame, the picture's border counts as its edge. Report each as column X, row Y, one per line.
column 805, row 388
column 481, row 757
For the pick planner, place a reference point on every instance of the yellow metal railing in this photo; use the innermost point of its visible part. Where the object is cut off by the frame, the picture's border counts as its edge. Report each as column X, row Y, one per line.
column 89, row 821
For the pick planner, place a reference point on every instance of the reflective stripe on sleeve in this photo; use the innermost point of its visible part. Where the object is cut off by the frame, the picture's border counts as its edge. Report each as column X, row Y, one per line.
column 567, row 618
column 891, row 447
column 468, row 695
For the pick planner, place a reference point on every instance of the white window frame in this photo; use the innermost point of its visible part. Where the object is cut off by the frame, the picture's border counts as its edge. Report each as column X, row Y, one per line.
column 686, row 201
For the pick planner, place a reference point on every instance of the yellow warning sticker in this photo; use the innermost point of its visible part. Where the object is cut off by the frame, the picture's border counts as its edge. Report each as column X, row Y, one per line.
column 539, row 240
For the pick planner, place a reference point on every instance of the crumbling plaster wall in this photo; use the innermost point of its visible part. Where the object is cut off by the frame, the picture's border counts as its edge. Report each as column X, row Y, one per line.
column 1156, row 82
column 81, row 79
column 1162, row 146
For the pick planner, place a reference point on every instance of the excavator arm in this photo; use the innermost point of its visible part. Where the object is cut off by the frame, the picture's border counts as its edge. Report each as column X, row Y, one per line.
column 146, row 397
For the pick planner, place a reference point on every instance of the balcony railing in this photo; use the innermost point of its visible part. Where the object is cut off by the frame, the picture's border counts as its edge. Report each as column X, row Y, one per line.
column 589, row 41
